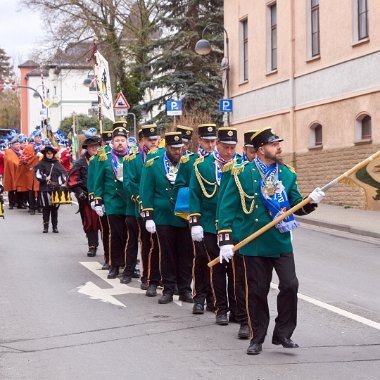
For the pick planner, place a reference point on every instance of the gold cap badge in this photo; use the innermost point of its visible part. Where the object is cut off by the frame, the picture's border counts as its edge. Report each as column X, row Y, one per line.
column 209, row 129
column 230, row 133
column 152, row 129
column 176, row 138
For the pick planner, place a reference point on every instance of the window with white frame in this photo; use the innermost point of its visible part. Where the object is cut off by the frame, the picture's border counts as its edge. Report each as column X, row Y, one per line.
column 363, row 128
column 271, row 35
column 360, row 20
column 315, row 48
column 315, row 136
column 244, row 50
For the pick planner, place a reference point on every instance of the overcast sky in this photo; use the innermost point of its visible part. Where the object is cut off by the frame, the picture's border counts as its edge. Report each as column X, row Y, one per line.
column 20, row 30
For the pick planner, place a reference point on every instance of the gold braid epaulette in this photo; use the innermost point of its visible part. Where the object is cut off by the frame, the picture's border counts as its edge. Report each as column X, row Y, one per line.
column 202, row 179
column 228, row 166
column 185, row 159
column 152, row 151
column 291, row 168
column 150, row 162
column 236, row 170
column 102, row 154
column 131, row 156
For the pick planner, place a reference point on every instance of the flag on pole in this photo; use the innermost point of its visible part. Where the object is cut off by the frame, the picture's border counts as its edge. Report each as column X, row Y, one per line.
column 368, row 178
column 103, row 81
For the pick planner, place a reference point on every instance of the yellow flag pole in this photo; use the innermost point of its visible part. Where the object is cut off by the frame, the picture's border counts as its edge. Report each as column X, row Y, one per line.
column 298, row 206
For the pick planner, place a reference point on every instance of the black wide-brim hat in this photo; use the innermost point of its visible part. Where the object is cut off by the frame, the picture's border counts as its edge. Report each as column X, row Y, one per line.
column 207, row 131
column 264, row 136
column 227, row 135
column 187, row 132
column 91, row 141
column 247, row 137
column 150, row 131
column 48, row 148
column 174, row 139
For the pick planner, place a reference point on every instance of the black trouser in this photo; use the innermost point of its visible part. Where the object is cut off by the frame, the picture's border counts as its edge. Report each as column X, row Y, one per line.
column 201, row 275
column 150, row 256
column 46, row 211
column 218, row 277
column 240, row 311
column 105, row 236
column 176, row 258
column 118, row 234
column 132, row 245
column 258, row 273
column 33, row 199
column 12, row 197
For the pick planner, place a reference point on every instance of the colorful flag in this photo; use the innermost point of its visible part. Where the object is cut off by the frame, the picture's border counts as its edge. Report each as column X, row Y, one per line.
column 103, row 81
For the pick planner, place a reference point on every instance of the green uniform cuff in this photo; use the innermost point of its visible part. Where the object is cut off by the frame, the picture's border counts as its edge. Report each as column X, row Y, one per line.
column 225, row 237
column 147, row 214
column 194, row 220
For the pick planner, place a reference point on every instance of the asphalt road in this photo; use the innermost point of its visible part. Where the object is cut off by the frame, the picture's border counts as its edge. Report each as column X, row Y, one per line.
column 59, row 318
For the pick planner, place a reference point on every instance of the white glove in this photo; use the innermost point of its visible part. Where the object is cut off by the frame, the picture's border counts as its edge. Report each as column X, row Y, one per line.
column 226, row 253
column 197, row 233
column 150, row 226
column 99, row 210
column 316, row 195
column 92, row 204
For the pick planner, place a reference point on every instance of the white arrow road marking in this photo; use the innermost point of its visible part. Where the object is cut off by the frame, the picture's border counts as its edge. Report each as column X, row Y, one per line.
column 106, row 295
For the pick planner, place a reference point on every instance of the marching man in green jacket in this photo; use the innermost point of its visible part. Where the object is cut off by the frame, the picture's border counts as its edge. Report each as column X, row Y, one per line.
column 257, row 193
column 158, row 200
column 109, row 196
column 201, row 273
column 207, row 179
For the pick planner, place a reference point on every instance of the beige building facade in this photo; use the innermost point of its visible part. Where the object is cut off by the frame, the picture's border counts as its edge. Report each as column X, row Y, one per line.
column 310, row 69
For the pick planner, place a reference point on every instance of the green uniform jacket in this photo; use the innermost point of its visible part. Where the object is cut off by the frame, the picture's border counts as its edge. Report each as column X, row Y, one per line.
column 203, row 189
column 107, row 188
column 92, row 169
column 130, row 202
column 135, row 166
column 157, row 194
column 271, row 243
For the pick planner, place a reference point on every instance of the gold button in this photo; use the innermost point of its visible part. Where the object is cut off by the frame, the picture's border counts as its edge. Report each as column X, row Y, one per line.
column 254, row 180
column 256, row 220
column 255, row 193
column 257, row 206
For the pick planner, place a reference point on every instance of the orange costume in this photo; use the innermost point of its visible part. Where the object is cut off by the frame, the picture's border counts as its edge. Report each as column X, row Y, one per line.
column 26, row 179
column 11, row 163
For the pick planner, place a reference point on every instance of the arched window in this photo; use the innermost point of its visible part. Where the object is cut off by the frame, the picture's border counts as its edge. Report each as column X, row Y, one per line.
column 363, row 128
column 316, row 135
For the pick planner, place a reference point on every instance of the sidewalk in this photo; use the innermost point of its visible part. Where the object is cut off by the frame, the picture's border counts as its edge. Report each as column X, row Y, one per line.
column 360, row 222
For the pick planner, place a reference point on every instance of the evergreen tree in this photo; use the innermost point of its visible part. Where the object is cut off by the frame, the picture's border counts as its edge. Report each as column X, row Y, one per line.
column 176, row 68
column 9, row 104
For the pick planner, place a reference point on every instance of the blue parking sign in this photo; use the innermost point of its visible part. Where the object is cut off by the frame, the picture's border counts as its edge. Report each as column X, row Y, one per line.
column 173, row 107
column 225, row 105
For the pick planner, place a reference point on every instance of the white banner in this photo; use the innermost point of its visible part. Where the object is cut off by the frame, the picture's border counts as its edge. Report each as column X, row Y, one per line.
column 103, row 81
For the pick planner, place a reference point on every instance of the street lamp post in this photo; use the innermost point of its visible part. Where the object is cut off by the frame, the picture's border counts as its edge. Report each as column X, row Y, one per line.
column 203, row 47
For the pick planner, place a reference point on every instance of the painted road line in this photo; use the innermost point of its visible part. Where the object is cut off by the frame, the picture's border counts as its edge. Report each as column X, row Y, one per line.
column 335, row 309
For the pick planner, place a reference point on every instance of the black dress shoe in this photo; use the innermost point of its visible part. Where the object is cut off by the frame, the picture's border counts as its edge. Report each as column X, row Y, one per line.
column 125, row 279
column 136, row 273
column 55, row 230
column 91, row 251
column 151, row 291
column 114, row 271
column 244, row 332
column 254, row 348
column 198, row 308
column 144, row 286
column 10, row 207
column 221, row 320
column 165, row 298
column 105, row 266
column 284, row 342
column 32, row 212
column 187, row 297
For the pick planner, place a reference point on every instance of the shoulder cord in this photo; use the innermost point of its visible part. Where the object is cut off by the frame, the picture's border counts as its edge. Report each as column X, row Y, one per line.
column 244, row 195
column 201, row 180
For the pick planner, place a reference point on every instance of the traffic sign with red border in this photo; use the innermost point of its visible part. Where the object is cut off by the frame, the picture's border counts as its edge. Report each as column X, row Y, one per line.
column 121, row 102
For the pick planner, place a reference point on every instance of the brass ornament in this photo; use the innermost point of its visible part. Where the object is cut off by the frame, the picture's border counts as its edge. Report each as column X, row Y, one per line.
column 151, row 129
column 209, row 129
column 176, row 138
column 230, row 133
